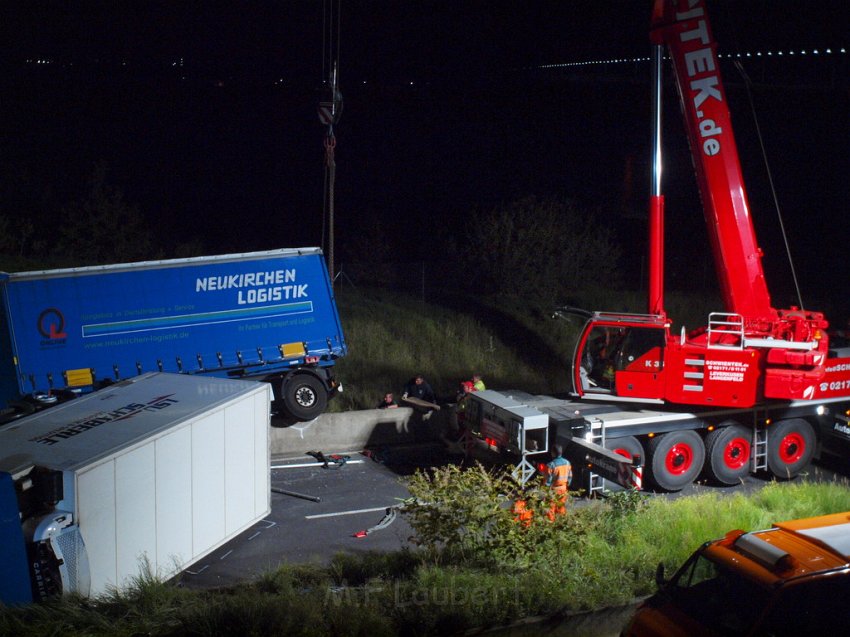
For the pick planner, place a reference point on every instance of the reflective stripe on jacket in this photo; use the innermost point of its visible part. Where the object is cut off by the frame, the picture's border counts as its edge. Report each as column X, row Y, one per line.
column 560, row 473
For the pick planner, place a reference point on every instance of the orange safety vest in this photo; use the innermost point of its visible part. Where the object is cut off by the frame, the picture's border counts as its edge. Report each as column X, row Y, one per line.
column 560, row 474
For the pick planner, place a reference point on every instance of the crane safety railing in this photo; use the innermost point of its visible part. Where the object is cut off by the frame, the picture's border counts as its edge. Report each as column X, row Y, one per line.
column 722, row 325
column 726, row 331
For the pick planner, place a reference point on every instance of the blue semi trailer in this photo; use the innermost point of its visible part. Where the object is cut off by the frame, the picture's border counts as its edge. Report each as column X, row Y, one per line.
column 269, row 316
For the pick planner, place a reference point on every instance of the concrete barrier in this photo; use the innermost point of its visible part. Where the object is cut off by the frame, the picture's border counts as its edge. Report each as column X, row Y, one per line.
column 351, row 430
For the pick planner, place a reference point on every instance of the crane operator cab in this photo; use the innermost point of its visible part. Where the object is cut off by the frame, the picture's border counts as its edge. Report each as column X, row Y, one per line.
column 621, row 355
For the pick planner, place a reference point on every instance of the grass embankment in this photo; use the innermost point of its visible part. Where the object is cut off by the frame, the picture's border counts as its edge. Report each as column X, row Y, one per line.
column 514, row 343
column 392, row 337
column 597, row 555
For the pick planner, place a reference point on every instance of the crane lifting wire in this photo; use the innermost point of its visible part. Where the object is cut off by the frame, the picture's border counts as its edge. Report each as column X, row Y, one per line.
column 330, row 109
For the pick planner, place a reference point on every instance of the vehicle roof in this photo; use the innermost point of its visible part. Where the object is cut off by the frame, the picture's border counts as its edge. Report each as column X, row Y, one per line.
column 788, row 550
column 830, row 531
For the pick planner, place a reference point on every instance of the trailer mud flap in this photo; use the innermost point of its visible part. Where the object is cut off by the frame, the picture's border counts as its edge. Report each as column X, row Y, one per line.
column 611, row 466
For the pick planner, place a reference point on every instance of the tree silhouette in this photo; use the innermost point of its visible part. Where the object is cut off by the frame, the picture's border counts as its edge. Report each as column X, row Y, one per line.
column 103, row 227
column 545, row 248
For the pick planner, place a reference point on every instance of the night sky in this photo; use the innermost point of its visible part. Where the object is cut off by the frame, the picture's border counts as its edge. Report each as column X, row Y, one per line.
column 205, row 115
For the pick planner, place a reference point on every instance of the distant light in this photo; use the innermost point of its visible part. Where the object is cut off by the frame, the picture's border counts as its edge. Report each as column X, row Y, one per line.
column 720, row 55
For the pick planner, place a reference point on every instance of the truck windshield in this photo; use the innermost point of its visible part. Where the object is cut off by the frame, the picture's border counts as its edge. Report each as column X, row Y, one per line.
column 811, row 607
column 717, row 598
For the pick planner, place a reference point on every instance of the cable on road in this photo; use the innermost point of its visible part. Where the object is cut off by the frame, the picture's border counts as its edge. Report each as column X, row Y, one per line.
column 389, row 518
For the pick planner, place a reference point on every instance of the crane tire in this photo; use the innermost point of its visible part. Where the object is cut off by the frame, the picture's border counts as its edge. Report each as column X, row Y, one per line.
column 790, row 447
column 628, row 447
column 674, row 460
column 728, row 451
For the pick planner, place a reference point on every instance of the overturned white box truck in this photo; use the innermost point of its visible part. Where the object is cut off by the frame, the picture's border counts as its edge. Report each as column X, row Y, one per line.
column 155, row 471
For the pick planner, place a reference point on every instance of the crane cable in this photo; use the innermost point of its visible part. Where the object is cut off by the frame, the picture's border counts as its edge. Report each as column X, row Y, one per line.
column 747, row 84
column 330, row 43
column 330, row 67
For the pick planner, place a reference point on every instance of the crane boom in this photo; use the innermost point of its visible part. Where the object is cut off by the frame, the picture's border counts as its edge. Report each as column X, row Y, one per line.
column 684, row 29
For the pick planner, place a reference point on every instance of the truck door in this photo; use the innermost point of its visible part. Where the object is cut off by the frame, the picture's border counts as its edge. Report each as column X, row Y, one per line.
column 621, row 358
column 639, row 361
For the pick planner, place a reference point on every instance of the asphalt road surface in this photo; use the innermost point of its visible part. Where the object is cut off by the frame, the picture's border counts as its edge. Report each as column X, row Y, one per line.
column 355, row 497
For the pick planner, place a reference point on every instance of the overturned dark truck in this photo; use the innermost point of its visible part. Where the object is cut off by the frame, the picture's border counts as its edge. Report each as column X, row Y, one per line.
column 269, row 316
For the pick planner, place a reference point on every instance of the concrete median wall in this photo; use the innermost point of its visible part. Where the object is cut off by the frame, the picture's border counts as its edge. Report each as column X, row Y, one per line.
column 354, row 430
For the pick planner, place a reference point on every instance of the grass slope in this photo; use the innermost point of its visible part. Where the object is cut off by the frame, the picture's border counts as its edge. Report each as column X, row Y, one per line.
column 514, row 343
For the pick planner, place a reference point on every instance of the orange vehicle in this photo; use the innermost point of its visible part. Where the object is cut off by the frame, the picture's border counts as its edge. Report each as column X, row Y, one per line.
column 792, row 579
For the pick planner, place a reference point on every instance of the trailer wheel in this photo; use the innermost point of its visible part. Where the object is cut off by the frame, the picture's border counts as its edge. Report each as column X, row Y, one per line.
column 790, row 447
column 304, row 396
column 728, row 450
column 628, row 447
column 675, row 459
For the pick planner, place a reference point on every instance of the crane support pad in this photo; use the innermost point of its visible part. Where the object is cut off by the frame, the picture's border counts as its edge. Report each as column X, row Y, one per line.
column 611, row 466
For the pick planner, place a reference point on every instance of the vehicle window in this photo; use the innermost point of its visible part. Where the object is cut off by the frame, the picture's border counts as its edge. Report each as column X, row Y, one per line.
column 717, row 598
column 815, row 607
column 600, row 350
column 637, row 343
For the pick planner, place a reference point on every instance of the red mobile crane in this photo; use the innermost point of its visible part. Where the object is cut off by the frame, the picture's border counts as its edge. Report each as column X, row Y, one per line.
column 751, row 351
column 755, row 389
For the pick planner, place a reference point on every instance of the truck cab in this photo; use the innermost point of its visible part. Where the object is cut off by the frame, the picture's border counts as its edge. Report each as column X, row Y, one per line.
column 791, row 579
column 622, row 355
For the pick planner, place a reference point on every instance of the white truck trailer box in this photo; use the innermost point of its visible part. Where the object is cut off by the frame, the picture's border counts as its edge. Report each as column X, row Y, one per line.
column 160, row 469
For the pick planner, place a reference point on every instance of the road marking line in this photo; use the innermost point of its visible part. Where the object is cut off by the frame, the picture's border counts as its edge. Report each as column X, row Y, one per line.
column 330, row 515
column 309, row 464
